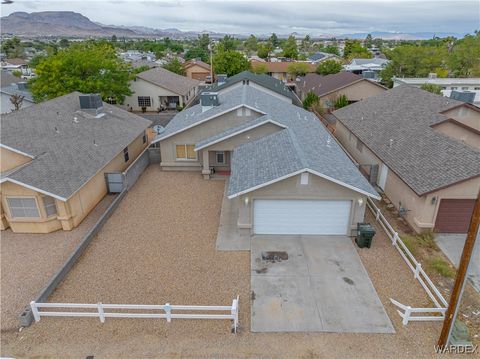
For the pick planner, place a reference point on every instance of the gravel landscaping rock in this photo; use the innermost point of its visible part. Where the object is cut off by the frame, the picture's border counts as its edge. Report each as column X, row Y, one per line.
column 159, row 246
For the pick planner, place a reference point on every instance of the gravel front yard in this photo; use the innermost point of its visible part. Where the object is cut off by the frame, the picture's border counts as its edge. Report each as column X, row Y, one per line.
column 29, row 260
column 159, row 246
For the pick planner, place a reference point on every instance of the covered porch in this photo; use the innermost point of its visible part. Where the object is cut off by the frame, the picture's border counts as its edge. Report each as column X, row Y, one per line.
column 216, row 163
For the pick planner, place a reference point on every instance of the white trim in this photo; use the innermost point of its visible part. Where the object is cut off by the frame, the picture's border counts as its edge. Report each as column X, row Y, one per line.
column 231, row 109
column 298, row 172
column 240, row 132
column 16, row 151
column 35, row 189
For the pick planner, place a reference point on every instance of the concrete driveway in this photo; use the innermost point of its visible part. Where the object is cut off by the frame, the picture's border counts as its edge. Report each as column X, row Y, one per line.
column 452, row 245
column 321, row 286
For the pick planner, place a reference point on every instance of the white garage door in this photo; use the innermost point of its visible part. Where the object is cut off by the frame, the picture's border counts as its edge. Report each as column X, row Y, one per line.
column 300, row 217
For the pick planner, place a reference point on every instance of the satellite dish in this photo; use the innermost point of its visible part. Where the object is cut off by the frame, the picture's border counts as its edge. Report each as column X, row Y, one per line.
column 158, row 129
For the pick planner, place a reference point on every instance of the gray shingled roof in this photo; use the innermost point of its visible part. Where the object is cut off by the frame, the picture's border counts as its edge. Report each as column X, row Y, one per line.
column 423, row 158
column 67, row 152
column 322, row 85
column 262, row 80
column 14, row 90
column 314, row 148
column 232, row 130
column 176, row 83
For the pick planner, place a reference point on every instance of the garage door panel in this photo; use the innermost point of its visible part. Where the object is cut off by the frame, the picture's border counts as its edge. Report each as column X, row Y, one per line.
column 454, row 215
column 301, row 217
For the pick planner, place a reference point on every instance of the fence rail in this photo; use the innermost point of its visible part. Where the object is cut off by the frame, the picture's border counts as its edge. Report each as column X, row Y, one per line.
column 169, row 311
column 418, row 273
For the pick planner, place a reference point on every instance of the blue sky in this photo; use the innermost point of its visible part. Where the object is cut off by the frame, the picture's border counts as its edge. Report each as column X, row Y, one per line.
column 283, row 17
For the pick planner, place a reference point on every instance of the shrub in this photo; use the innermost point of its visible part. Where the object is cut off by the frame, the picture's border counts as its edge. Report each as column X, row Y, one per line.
column 442, row 267
column 341, row 101
column 432, row 88
column 310, row 100
column 17, row 73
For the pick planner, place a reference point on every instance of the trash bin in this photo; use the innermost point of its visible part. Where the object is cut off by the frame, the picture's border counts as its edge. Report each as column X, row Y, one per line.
column 365, row 233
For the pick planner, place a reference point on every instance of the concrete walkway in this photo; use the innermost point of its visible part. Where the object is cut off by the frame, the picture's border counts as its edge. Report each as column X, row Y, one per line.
column 452, row 245
column 321, row 287
column 228, row 237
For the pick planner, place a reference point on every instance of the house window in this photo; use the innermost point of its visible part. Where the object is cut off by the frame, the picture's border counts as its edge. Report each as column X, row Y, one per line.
column 220, row 155
column 465, row 88
column 185, row 152
column 248, row 112
column 144, row 138
column 23, row 207
column 125, row 154
column 453, row 87
column 359, row 145
column 240, row 112
column 144, row 101
column 477, row 88
column 49, row 205
column 444, row 88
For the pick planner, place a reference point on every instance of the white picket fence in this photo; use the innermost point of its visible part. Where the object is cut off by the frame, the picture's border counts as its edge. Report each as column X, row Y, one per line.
column 170, row 312
column 408, row 312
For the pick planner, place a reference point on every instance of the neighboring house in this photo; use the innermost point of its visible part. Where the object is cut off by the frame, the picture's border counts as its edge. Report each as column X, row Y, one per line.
column 197, row 70
column 368, row 68
column 422, row 150
column 55, row 155
column 448, row 85
column 261, row 82
column 287, row 175
column 280, row 70
column 330, row 87
column 16, row 65
column 320, row 56
column 12, row 86
column 159, row 88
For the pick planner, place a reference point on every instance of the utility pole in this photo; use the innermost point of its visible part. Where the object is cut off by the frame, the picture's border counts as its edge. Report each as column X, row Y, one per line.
column 461, row 278
column 211, row 63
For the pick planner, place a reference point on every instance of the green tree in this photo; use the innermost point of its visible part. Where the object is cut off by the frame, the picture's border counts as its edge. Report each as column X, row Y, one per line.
column 63, row 43
column 251, row 44
column 306, row 44
column 203, row 41
column 290, row 48
column 264, row 50
column 260, row 68
column 341, row 101
column 331, row 49
column 369, row 41
column 230, row 62
column 432, row 88
column 88, row 67
column 354, row 49
column 310, row 100
column 33, row 63
column 464, row 58
column 228, row 43
column 328, row 67
column 197, row 53
column 298, row 68
column 17, row 73
column 274, row 40
column 175, row 66
column 13, row 48
column 114, row 39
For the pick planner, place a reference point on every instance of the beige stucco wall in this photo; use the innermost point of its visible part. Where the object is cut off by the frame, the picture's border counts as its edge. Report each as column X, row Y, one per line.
column 465, row 115
column 355, row 92
column 421, row 214
column 196, row 134
column 70, row 213
column 189, row 71
column 317, row 188
column 141, row 87
column 257, row 87
column 10, row 159
column 459, row 133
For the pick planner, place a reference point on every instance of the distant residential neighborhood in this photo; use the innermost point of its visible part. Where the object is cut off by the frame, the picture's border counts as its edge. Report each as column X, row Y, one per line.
column 170, row 193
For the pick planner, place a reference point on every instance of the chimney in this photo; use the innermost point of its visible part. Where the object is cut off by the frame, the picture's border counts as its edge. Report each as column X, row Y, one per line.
column 91, row 104
column 208, row 100
column 221, row 79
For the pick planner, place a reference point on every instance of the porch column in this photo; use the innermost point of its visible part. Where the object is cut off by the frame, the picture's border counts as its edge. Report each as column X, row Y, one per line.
column 206, row 165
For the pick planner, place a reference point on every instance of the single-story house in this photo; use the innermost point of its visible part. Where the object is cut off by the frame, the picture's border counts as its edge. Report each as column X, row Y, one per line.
column 288, row 175
column 16, row 64
column 321, row 56
column 280, row 70
column 13, row 86
column 261, row 82
column 368, row 68
column 448, row 85
column 159, row 88
column 421, row 149
column 197, row 70
column 330, row 87
column 55, row 156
